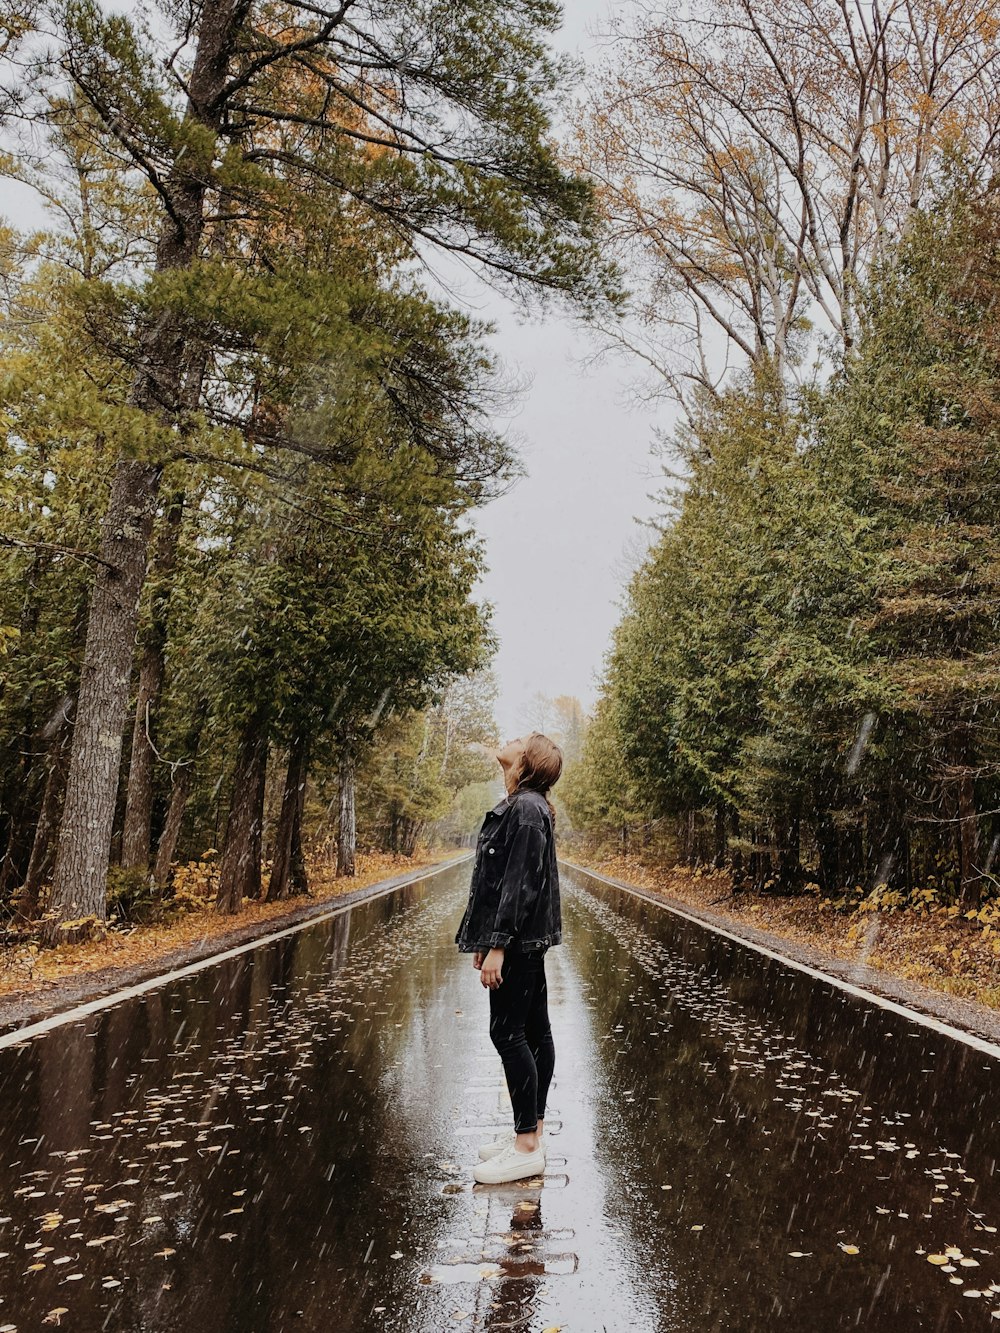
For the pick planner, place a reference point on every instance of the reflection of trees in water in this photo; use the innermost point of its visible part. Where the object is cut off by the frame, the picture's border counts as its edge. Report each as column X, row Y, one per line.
column 248, row 1044
column 665, row 1085
column 65, row 1089
column 725, row 1107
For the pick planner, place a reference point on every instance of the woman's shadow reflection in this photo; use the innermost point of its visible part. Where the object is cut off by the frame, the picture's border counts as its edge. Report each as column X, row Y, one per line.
column 522, row 1266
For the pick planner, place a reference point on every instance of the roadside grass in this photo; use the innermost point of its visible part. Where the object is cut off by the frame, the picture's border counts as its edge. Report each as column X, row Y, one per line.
column 26, row 969
column 916, row 939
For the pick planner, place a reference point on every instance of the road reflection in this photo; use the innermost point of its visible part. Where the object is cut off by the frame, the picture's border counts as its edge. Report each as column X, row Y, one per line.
column 286, row 1141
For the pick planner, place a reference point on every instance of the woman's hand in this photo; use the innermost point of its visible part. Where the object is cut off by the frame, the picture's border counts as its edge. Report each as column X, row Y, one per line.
column 489, row 972
column 477, row 958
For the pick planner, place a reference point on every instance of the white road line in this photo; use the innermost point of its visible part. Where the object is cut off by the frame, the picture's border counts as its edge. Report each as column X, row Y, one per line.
column 31, row 1030
column 914, row 1015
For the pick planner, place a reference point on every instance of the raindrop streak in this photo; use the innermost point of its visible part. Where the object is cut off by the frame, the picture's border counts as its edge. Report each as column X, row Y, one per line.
column 860, row 743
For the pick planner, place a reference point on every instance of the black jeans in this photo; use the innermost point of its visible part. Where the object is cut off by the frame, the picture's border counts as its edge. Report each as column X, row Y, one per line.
column 519, row 1029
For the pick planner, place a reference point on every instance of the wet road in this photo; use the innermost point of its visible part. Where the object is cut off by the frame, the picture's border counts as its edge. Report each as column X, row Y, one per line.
column 285, row 1142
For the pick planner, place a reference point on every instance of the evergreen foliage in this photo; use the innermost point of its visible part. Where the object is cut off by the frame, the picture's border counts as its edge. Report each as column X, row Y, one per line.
column 238, row 431
column 805, row 677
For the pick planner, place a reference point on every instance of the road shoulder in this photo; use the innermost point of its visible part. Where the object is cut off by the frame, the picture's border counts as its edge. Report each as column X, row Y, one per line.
column 47, row 998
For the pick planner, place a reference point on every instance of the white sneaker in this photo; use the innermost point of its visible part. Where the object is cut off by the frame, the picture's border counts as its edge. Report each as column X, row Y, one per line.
column 488, row 1150
column 509, row 1164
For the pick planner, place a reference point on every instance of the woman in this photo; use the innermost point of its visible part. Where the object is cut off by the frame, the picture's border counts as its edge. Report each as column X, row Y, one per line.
column 511, row 920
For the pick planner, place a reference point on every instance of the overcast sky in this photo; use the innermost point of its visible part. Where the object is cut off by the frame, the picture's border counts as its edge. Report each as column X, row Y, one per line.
column 560, row 544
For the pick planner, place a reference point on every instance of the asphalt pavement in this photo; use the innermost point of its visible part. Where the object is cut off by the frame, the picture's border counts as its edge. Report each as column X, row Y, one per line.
column 285, row 1141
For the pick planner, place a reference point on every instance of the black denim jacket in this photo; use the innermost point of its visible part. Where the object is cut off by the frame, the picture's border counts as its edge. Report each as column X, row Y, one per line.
column 514, row 895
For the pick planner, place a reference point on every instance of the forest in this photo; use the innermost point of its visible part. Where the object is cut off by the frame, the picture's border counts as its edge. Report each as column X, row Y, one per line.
column 803, row 684
column 242, row 431
column 244, row 434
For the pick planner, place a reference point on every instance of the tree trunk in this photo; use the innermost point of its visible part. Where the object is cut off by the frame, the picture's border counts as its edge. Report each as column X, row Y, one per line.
column 298, row 875
column 167, row 846
column 347, row 841
column 760, row 860
column 183, row 778
column 719, row 860
column 137, row 831
column 691, row 838
column 255, row 886
column 391, row 840
column 40, row 861
column 788, row 837
column 886, row 841
column 239, row 875
column 289, row 821
column 414, row 827
column 19, row 798
column 968, row 841
column 80, row 878
column 827, row 853
column 82, row 858
column 737, row 860
column 851, row 856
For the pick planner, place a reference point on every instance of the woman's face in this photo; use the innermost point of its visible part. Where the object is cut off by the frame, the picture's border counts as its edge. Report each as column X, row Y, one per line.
column 510, row 752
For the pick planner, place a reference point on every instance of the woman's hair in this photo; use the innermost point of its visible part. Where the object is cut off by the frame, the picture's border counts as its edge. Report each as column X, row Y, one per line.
column 540, row 767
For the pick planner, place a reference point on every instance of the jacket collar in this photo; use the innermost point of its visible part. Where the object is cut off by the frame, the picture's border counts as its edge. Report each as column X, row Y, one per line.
column 501, row 805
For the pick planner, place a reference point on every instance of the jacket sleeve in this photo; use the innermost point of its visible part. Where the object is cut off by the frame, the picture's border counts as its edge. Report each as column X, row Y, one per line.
column 522, row 878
